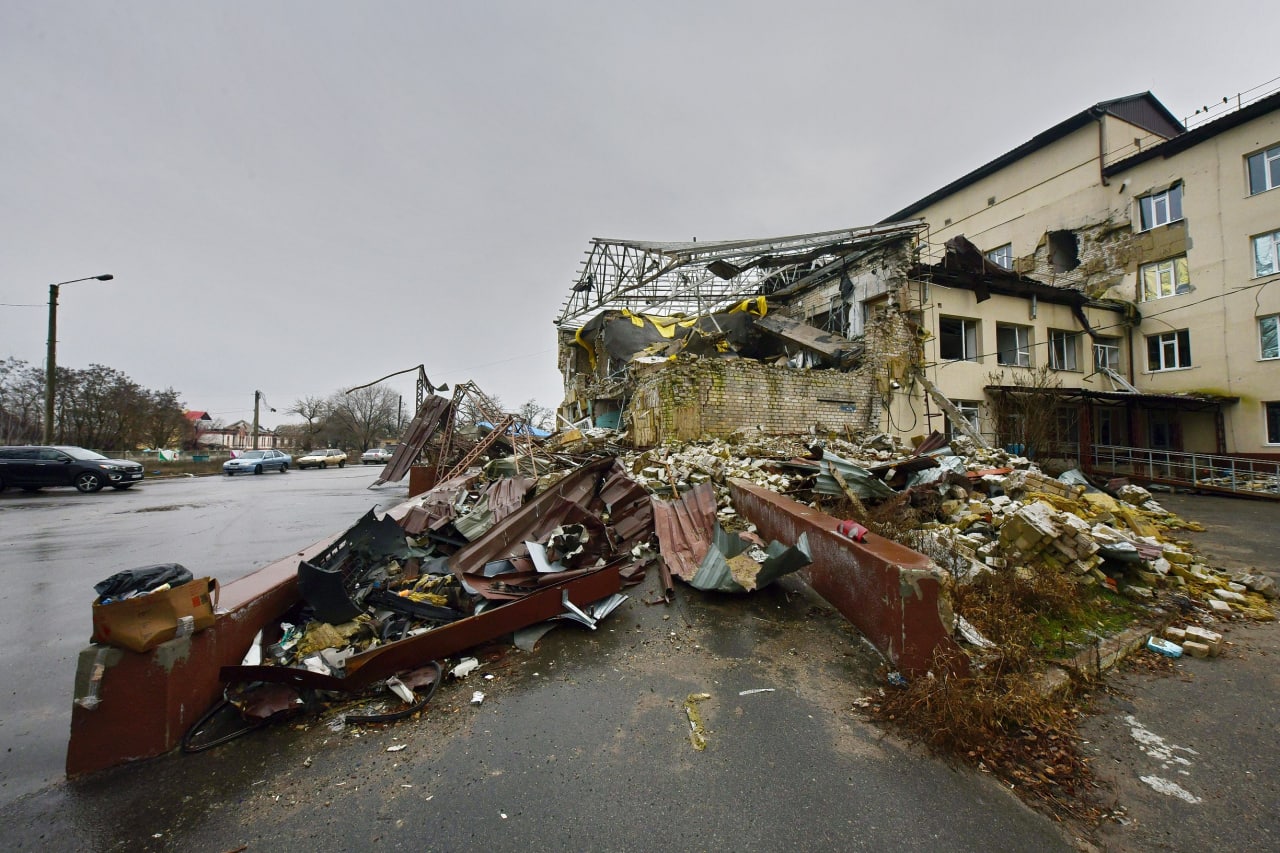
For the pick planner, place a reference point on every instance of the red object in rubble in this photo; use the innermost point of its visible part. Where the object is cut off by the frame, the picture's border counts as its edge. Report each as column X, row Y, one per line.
column 853, row 530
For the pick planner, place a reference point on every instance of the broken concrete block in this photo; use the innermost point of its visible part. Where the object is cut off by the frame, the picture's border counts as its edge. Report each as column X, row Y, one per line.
column 1175, row 634
column 1262, row 584
column 1230, row 595
column 1220, row 606
column 1138, row 593
column 1212, row 639
column 1196, row 650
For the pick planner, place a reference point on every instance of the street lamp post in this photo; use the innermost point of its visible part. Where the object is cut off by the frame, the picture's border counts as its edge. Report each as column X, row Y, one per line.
column 51, row 364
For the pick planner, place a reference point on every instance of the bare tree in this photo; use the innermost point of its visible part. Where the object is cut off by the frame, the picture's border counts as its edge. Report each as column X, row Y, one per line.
column 360, row 418
column 21, row 401
column 315, row 411
column 536, row 415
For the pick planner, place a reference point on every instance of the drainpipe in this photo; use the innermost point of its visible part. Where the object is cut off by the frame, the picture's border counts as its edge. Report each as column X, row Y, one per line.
column 1102, row 149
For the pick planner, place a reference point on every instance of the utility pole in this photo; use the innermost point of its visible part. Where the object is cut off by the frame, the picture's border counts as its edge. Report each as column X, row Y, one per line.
column 51, row 356
column 258, row 397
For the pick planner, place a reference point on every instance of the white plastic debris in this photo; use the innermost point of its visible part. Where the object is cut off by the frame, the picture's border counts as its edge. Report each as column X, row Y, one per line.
column 477, row 698
column 464, row 668
column 756, row 690
column 397, row 747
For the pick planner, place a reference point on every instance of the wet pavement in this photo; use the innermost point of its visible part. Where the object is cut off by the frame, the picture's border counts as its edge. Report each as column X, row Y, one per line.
column 1190, row 750
column 583, row 742
column 57, row 543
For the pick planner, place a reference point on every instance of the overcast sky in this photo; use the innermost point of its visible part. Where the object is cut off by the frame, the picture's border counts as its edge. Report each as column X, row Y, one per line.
column 301, row 197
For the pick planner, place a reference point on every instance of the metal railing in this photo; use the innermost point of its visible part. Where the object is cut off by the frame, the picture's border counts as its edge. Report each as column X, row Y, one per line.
column 1207, row 472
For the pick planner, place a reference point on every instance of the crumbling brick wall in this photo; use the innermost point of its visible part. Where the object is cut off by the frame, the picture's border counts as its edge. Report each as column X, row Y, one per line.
column 1106, row 251
column 701, row 397
column 695, row 398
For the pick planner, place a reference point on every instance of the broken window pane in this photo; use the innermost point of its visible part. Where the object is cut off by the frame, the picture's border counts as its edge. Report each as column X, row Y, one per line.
column 1265, row 253
column 1013, row 345
column 957, row 339
column 1269, row 336
column 1062, row 350
column 1106, row 353
column 969, row 410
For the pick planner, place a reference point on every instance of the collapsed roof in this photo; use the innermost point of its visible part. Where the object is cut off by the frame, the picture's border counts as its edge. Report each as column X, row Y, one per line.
column 693, row 279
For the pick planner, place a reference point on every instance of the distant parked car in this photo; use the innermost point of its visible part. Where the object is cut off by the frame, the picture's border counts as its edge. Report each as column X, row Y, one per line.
column 323, row 458
column 258, row 461
column 32, row 468
column 375, row 456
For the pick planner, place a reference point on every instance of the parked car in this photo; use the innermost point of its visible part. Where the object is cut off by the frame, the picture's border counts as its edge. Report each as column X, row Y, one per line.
column 323, row 458
column 375, row 456
column 32, row 468
column 258, row 461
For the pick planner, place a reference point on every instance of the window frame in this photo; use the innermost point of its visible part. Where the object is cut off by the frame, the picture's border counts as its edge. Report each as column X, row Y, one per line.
column 971, row 410
column 1180, row 340
column 1274, row 321
column 1021, row 348
column 968, row 334
column 1107, row 344
column 1172, row 266
column 1004, row 252
column 1149, row 207
column 1268, row 160
column 1271, row 421
column 1064, row 350
column 1273, row 240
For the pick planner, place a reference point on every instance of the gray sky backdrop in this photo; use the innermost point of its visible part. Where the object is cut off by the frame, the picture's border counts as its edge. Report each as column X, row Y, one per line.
column 299, row 197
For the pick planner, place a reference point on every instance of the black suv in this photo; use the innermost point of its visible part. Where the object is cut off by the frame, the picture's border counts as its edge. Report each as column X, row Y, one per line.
column 31, row 468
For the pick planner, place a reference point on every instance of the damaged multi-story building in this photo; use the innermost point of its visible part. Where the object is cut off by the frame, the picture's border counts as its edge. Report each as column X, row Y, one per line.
column 1177, row 228
column 1100, row 292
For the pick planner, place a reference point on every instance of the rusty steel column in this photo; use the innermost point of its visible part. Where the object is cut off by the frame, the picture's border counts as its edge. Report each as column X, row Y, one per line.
column 888, row 591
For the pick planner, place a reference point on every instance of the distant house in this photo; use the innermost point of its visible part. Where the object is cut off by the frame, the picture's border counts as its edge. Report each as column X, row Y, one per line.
column 237, row 436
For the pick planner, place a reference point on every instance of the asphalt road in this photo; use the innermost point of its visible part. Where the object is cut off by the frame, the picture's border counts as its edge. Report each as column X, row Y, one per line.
column 1190, row 750
column 57, row 543
column 583, row 743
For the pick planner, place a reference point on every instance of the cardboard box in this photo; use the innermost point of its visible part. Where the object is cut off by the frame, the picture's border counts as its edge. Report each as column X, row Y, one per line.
column 144, row 622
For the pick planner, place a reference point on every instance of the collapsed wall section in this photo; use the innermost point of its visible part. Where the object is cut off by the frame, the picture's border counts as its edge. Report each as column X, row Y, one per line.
column 694, row 398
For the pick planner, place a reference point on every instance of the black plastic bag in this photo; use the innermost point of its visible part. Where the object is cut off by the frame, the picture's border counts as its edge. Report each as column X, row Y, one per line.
column 144, row 579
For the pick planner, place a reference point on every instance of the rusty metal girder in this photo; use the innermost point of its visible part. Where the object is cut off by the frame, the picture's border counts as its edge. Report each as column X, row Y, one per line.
column 891, row 593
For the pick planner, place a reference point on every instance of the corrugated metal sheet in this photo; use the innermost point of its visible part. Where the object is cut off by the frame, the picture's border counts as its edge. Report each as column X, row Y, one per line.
column 686, row 529
column 424, row 425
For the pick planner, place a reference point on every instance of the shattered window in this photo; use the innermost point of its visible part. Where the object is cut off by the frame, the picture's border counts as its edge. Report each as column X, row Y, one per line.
column 969, row 410
column 1273, row 423
column 1106, row 353
column 1169, row 351
column 1161, row 208
column 957, row 339
column 1063, row 347
column 1269, row 335
column 1164, row 278
column 1264, row 170
column 1002, row 255
column 1266, row 251
column 1013, row 345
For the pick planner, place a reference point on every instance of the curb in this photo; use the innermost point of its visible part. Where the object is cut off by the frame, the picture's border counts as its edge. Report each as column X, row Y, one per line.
column 1106, row 654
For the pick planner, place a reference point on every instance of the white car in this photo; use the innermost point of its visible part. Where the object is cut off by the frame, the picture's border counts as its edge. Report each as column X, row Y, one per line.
column 375, row 456
column 322, row 459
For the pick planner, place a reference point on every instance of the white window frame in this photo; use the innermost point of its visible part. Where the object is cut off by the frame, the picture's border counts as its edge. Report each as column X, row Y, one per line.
column 1170, row 349
column 1160, row 208
column 1002, row 256
column 1162, row 279
column 968, row 338
column 1268, row 246
column 1106, row 347
column 1021, row 345
column 1271, row 421
column 1269, row 326
column 1064, row 350
column 1269, row 162
column 971, row 410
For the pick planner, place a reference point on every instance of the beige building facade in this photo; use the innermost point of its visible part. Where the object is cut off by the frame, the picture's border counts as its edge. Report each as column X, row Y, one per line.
column 1168, row 242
